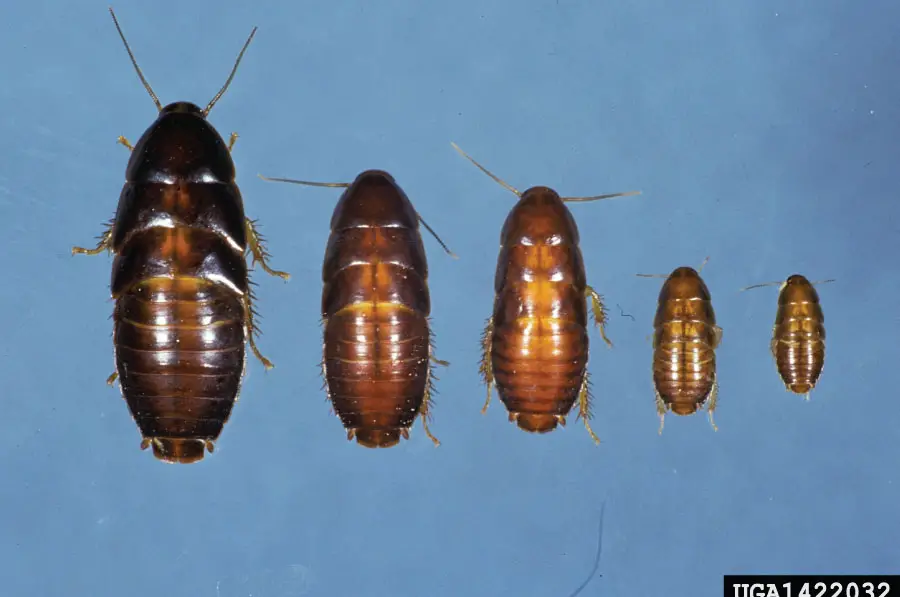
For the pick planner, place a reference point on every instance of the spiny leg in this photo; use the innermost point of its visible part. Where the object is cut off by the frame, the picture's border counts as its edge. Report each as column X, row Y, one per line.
column 712, row 399
column 231, row 141
column 112, row 378
column 323, row 371
column 661, row 411
column 257, row 247
column 487, row 369
column 584, row 407
column 323, row 366
column 425, row 414
column 252, row 331
column 600, row 315
column 104, row 244
column 123, row 141
column 425, row 409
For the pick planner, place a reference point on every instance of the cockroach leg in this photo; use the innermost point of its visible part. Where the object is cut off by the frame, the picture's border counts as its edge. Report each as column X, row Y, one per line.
column 123, row 141
column 231, row 141
column 439, row 362
column 427, row 401
column 112, row 378
column 599, row 311
column 584, row 407
column 104, row 244
column 252, row 332
column 661, row 411
column 486, row 369
column 257, row 247
column 713, row 399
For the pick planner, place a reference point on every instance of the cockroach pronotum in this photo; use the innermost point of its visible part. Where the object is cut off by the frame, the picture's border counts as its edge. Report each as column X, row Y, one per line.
column 684, row 345
column 378, row 351
column 798, row 337
column 183, row 300
column 535, row 344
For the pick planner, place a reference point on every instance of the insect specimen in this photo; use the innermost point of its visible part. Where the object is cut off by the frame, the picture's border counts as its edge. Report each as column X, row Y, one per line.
column 378, row 349
column 183, row 301
column 684, row 343
column 535, row 344
column 798, row 337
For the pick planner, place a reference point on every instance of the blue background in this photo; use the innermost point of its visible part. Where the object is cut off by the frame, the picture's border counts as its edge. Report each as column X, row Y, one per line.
column 763, row 134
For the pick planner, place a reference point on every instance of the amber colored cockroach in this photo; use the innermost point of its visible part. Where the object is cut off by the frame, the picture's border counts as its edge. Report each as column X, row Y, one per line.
column 183, row 300
column 684, row 345
column 798, row 337
column 378, row 351
column 535, row 344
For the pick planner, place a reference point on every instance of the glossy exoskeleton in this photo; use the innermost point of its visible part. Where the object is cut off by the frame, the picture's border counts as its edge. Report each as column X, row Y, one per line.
column 798, row 337
column 183, row 301
column 378, row 351
column 684, row 343
column 535, row 345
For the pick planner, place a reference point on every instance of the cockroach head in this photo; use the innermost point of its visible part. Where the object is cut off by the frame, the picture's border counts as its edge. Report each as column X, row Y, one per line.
column 684, row 272
column 540, row 195
column 183, row 108
column 796, row 279
column 375, row 174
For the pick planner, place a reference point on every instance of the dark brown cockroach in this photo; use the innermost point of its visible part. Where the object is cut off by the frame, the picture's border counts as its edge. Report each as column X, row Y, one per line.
column 378, row 351
column 535, row 344
column 183, row 300
column 798, row 337
column 684, row 343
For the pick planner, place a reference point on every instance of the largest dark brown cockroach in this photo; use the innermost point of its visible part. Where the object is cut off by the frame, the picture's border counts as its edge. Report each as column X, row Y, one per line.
column 535, row 344
column 183, row 300
column 684, row 345
column 378, row 351
column 798, row 337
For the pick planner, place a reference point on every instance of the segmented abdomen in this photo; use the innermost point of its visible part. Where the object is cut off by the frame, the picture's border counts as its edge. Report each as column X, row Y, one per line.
column 684, row 363
column 539, row 359
column 376, row 367
column 179, row 345
column 377, row 337
column 799, row 349
column 179, row 333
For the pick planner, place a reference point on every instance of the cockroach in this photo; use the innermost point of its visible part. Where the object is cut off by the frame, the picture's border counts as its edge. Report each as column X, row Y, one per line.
column 798, row 337
column 183, row 299
column 378, row 349
column 535, row 344
column 684, row 345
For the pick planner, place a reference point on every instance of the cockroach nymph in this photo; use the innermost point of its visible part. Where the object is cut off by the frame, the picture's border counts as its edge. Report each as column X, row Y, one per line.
column 378, row 350
column 535, row 345
column 684, row 345
column 798, row 336
column 183, row 300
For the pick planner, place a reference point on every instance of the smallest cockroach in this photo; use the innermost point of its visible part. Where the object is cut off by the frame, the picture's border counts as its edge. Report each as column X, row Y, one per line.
column 684, row 345
column 798, row 337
